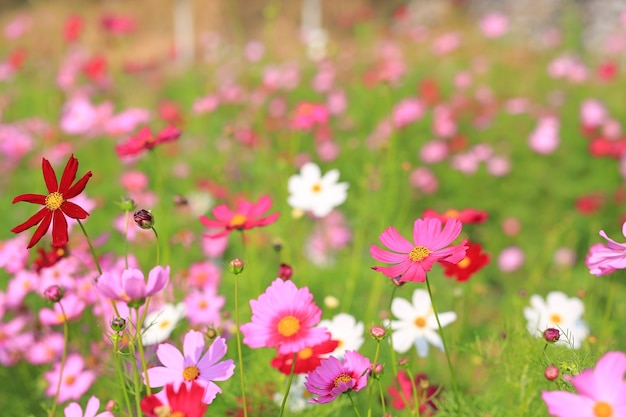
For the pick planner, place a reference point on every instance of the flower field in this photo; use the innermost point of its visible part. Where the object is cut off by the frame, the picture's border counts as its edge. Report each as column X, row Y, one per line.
column 379, row 218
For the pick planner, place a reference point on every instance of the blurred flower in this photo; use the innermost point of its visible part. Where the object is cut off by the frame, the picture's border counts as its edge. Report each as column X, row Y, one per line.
column 414, row 260
column 118, row 24
column 297, row 400
column 193, row 365
column 246, row 216
column 203, row 306
column 434, row 151
column 146, row 140
column 593, row 113
column 511, row 259
column 56, row 203
column 159, row 324
column 551, row 372
column 254, row 51
column 417, row 324
column 75, row 381
column 130, row 287
column 74, row 409
column 589, row 204
column 494, row 25
column 307, row 359
column 311, row 191
column 73, row 28
column 407, row 111
column 72, row 308
column 186, row 400
column 427, row 394
column 602, row 391
column 15, row 339
column 606, row 258
column 560, row 312
column 424, row 180
column 332, row 378
column 308, row 115
column 346, row 330
column 284, row 317
column 465, row 216
column 475, row 259
column 13, row 254
column 545, row 138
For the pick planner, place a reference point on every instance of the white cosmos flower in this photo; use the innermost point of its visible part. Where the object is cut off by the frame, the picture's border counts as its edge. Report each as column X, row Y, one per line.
column 560, row 312
column 311, row 191
column 345, row 329
column 417, row 324
column 159, row 324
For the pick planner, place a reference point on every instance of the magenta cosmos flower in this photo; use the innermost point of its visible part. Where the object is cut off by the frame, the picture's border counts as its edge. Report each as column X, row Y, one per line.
column 192, row 365
column 246, row 216
column 414, row 260
column 603, row 259
column 130, row 286
column 333, row 378
column 284, row 317
column 602, row 391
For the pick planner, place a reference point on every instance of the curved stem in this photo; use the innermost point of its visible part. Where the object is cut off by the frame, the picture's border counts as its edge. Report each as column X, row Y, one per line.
column 356, row 410
column 241, row 373
column 93, row 252
column 158, row 256
column 63, row 358
column 416, row 403
column 291, row 374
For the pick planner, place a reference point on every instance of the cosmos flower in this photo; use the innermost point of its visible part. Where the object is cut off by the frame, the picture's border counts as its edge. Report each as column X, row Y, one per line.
column 311, row 191
column 417, row 324
column 186, row 401
column 146, row 140
column 346, row 331
column 332, row 378
column 193, row 365
column 465, row 216
column 307, row 359
column 75, row 381
column 426, row 393
column 74, row 409
column 560, row 312
column 475, row 259
column 159, row 324
column 413, row 260
column 284, row 317
column 601, row 391
column 603, row 259
column 131, row 287
column 247, row 215
column 56, row 203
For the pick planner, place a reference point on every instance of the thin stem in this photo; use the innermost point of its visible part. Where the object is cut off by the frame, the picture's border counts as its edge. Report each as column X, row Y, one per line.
column 369, row 389
column 126, row 239
column 158, row 256
column 120, row 372
column 443, row 340
column 135, row 375
column 241, row 373
column 356, row 410
column 63, row 358
column 291, row 374
column 142, row 356
column 416, row 403
column 93, row 252
column 394, row 361
column 382, row 397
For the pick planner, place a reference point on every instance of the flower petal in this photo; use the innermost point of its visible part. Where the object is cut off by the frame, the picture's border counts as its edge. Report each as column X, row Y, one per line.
column 69, row 174
column 78, row 187
column 59, row 229
column 73, row 210
column 42, row 229
column 49, row 176
column 33, row 220
column 31, row 198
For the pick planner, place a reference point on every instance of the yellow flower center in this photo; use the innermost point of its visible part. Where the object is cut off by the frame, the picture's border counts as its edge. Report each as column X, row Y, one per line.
column 555, row 318
column 305, row 353
column 54, row 201
column 71, row 379
column 342, row 378
column 420, row 322
column 452, row 214
column 177, row 414
column 316, row 188
column 288, row 326
column 465, row 262
column 238, row 220
column 419, row 253
column 602, row 409
column 164, row 324
column 190, row 373
column 203, row 304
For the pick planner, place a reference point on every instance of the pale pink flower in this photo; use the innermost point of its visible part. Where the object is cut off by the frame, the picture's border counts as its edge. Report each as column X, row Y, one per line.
column 15, row 142
column 22, row 283
column 545, row 138
column 126, row 122
column 46, row 349
column 336, row 102
column 254, row 51
column 74, row 409
column 511, row 259
column 206, row 104
column 494, row 25
column 446, row 43
column 498, row 166
column 72, row 307
column 606, row 258
column 14, row 340
column 13, row 254
column 593, row 113
column 444, row 125
column 18, row 26
column 75, row 379
column 130, row 287
column 424, row 180
column 433, row 151
column 203, row 306
column 407, row 111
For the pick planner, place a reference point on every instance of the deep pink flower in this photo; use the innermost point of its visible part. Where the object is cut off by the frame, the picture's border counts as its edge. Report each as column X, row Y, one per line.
column 246, row 216
column 284, row 317
column 333, row 378
column 465, row 216
column 602, row 391
column 603, row 259
column 75, row 379
column 146, row 140
column 414, row 260
column 193, row 365
column 130, row 286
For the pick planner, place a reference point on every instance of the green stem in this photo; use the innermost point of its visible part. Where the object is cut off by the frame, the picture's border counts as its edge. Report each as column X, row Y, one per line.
column 126, row 239
column 63, row 358
column 158, row 255
column 120, row 372
column 291, row 374
column 369, row 389
column 356, row 410
column 136, row 382
column 93, row 252
column 416, row 403
column 394, row 361
column 382, row 397
column 445, row 347
column 142, row 357
column 241, row 373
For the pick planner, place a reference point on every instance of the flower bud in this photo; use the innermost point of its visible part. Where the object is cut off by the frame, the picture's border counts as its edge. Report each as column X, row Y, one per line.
column 397, row 281
column 378, row 332
column 118, row 324
column 144, row 219
column 54, row 293
column 402, row 362
column 236, row 266
column 551, row 373
column 285, row 271
column 127, row 204
column 551, row 335
column 377, row 370
column 111, row 406
column 211, row 333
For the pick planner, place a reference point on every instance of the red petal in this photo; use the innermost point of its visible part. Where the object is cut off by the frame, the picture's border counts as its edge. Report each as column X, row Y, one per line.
column 59, row 229
column 78, row 187
column 69, row 174
column 73, row 210
column 31, row 198
column 42, row 229
column 34, row 219
column 49, row 176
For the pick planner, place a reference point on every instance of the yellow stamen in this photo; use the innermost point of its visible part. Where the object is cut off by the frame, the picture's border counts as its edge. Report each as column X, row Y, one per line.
column 190, row 373
column 555, row 318
column 342, row 378
column 305, row 353
column 316, row 188
column 602, row 409
column 54, row 201
column 238, row 220
column 288, row 326
column 419, row 253
column 420, row 322
column 164, row 324
column 465, row 262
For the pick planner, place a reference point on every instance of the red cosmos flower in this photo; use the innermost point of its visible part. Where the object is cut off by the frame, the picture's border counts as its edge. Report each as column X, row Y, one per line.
column 465, row 216
column 47, row 259
column 246, row 216
column 307, row 360
column 56, row 204
column 73, row 28
column 187, row 402
column 145, row 140
column 96, row 68
column 426, row 393
column 474, row 260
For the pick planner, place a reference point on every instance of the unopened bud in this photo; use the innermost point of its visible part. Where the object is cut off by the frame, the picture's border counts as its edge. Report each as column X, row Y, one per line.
column 127, row 204
column 551, row 373
column 211, row 333
column 551, row 335
column 144, row 219
column 54, row 293
column 377, row 370
column 378, row 332
column 402, row 362
column 236, row 266
column 118, row 324
column 111, row 406
column 397, row 281
column 285, row 272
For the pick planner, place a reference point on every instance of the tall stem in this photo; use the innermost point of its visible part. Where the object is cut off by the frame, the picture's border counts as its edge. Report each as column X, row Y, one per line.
column 93, row 252
column 63, row 358
column 394, row 361
column 241, row 373
column 158, row 255
column 120, row 372
column 142, row 356
column 369, row 389
column 356, row 410
column 291, row 374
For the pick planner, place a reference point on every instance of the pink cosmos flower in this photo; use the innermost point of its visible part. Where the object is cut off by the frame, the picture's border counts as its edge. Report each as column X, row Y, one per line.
column 603, row 259
column 203, row 306
column 602, row 391
column 333, row 378
column 246, row 216
column 545, row 138
column 407, row 111
column 494, row 25
column 75, row 380
column 308, row 115
column 72, row 308
column 130, row 286
column 192, row 365
column 146, row 140
column 284, row 317
column 511, row 259
column 14, row 340
column 74, row 409
column 414, row 260
column 45, row 350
